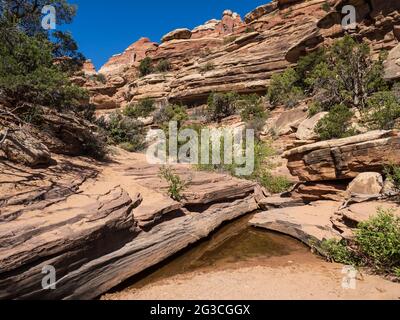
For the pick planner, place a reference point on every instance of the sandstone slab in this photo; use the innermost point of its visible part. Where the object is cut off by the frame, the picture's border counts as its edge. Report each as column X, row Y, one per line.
column 345, row 158
column 310, row 224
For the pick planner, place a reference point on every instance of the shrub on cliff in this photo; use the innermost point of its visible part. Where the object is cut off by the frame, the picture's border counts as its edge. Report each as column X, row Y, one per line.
column 171, row 112
column 347, row 74
column 146, row 67
column 163, row 66
column 142, row 109
column 251, row 108
column 383, row 111
column 376, row 245
column 221, row 105
column 284, row 89
column 337, row 124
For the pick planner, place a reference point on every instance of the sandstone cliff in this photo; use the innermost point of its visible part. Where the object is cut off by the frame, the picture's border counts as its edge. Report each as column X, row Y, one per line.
column 234, row 55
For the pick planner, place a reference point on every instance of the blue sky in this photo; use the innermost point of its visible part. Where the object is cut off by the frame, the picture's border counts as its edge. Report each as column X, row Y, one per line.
column 106, row 27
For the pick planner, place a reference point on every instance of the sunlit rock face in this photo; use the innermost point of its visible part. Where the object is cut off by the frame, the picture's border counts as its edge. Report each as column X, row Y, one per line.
column 229, row 54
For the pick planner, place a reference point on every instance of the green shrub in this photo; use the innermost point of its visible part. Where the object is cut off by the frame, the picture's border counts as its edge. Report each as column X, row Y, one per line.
column 175, row 184
column 171, row 112
column 251, row 108
column 392, row 172
column 230, row 39
column 249, row 29
column 163, row 66
column 346, row 74
column 337, row 124
column 284, row 90
column 125, row 131
column 142, row 109
column 221, row 105
column 376, row 245
column 326, row 6
column 207, row 67
column 338, row 251
column 146, row 67
column 274, row 184
column 382, row 112
column 378, row 241
column 99, row 77
column 28, row 73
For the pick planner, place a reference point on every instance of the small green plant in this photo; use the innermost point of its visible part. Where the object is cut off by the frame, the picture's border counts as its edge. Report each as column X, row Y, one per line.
column 124, row 131
column 146, row 67
column 221, row 105
column 163, row 66
column 207, row 67
column 251, row 108
column 142, row 109
column 274, row 184
column 376, row 245
column 383, row 111
column 98, row 77
column 326, row 6
column 284, row 89
column 392, row 172
column 337, row 124
column 171, row 112
column 250, row 29
column 229, row 39
column 175, row 184
column 338, row 251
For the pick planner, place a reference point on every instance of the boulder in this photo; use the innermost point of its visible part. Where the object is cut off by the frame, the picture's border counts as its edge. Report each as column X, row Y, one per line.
column 103, row 102
column 306, row 130
column 345, row 158
column 178, row 34
column 310, row 224
column 367, row 184
column 289, row 120
column 392, row 64
column 316, row 191
column 20, row 146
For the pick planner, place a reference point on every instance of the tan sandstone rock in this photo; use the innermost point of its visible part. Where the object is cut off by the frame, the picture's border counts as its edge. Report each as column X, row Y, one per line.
column 177, row 34
column 306, row 130
column 345, row 158
column 366, row 184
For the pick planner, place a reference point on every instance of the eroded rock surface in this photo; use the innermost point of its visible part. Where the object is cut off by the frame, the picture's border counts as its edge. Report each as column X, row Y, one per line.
column 345, row 158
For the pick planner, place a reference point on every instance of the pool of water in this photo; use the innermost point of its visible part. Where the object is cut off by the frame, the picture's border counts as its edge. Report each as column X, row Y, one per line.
column 234, row 245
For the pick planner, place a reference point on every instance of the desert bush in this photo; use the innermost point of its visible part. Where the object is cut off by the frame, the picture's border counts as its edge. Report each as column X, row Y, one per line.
column 251, row 108
column 163, row 66
column 207, row 67
column 326, row 6
column 221, row 105
column 284, row 89
column 347, row 74
column 146, row 67
column 376, row 244
column 229, row 39
column 175, row 184
column 383, row 110
column 125, row 131
column 171, row 112
column 28, row 74
column 142, row 109
column 337, row 124
column 392, row 172
column 274, row 184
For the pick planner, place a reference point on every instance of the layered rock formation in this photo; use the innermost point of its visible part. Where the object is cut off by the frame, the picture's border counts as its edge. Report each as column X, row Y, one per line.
column 345, row 158
column 232, row 55
column 98, row 225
